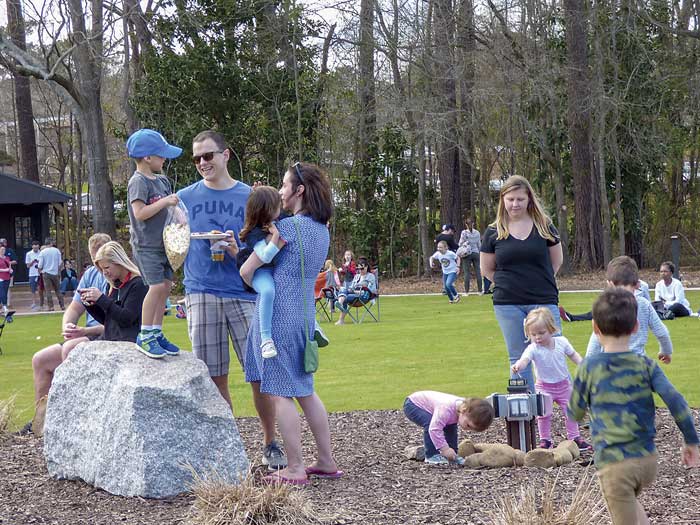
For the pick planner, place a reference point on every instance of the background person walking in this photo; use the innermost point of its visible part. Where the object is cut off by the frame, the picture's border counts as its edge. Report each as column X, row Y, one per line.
column 50, row 260
column 468, row 252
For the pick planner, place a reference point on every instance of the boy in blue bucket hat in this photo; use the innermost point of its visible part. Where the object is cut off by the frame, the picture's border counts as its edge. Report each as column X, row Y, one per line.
column 150, row 194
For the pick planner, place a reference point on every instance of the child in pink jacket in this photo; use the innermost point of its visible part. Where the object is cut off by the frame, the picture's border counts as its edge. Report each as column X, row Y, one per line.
column 440, row 414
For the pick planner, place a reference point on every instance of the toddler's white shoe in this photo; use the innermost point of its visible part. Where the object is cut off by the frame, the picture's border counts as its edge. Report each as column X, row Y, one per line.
column 268, row 349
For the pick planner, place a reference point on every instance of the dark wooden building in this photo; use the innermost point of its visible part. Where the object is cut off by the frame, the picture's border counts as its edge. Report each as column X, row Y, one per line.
column 24, row 216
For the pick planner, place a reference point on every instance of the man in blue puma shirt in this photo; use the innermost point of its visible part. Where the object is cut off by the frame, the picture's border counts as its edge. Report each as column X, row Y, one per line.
column 218, row 306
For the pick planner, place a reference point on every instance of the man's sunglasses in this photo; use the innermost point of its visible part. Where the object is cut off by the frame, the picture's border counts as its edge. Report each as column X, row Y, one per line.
column 297, row 169
column 206, row 156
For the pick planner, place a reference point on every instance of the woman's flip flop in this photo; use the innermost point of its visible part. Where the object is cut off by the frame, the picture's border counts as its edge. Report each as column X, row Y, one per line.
column 313, row 471
column 277, row 478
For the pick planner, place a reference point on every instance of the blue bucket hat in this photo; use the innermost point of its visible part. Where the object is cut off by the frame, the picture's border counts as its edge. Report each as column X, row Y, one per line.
column 145, row 142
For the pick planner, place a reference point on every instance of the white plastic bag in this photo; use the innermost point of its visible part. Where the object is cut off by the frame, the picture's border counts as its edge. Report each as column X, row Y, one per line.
column 176, row 235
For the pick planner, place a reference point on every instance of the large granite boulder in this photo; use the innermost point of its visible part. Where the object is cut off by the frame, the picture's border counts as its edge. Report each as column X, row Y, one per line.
column 136, row 426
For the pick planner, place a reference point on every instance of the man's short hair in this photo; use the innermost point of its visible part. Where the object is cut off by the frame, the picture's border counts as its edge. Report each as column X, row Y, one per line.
column 615, row 312
column 217, row 137
column 622, row 271
column 49, row 241
column 36, row 243
column 97, row 241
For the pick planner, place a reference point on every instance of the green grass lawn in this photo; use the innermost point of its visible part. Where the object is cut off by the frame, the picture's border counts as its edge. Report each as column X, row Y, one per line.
column 420, row 343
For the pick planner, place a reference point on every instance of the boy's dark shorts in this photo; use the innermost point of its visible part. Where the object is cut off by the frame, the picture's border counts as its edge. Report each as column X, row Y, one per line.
column 153, row 265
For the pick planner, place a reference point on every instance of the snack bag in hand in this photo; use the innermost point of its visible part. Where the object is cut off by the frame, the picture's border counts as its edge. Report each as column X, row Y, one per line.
column 176, row 235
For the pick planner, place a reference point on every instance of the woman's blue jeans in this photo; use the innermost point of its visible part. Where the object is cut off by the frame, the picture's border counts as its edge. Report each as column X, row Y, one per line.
column 510, row 318
column 422, row 418
column 448, row 280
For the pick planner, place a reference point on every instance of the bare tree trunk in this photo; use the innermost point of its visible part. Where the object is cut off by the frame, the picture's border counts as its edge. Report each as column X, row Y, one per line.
column 587, row 249
column 466, row 49
column 448, row 155
column 368, row 113
column 88, row 66
column 131, row 121
column 422, row 219
column 27, row 161
column 616, row 152
column 562, row 209
column 601, row 116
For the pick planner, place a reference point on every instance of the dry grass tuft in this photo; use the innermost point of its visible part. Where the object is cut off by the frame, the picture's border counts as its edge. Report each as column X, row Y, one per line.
column 541, row 506
column 220, row 503
column 7, row 410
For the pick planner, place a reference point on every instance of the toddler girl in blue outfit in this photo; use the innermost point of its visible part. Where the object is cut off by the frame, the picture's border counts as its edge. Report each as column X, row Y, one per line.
column 262, row 237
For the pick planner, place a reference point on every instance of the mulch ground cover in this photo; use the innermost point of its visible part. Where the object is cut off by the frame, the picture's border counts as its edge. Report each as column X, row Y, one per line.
column 380, row 486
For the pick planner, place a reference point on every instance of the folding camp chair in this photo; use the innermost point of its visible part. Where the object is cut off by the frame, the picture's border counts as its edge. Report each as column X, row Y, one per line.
column 366, row 303
column 324, row 297
column 7, row 318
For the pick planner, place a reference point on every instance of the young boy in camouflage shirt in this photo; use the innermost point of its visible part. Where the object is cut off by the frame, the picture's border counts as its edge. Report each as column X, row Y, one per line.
column 617, row 386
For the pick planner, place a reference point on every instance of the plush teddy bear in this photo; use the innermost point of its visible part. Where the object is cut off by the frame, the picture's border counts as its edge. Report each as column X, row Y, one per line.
column 565, row 453
column 490, row 455
column 494, row 455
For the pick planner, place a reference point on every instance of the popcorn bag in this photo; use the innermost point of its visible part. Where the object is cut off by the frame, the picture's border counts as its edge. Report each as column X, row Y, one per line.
column 176, row 235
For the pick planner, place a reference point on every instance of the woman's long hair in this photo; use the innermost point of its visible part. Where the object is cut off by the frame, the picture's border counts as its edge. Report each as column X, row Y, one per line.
column 316, row 200
column 534, row 209
column 114, row 253
column 262, row 208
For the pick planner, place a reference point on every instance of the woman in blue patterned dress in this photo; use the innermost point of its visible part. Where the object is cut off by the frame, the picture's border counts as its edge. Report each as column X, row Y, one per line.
column 306, row 194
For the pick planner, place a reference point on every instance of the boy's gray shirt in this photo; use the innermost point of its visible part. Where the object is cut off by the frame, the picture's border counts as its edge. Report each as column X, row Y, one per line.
column 148, row 234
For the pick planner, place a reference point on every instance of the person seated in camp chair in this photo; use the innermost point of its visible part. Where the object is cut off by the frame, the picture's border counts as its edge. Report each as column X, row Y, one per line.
column 363, row 288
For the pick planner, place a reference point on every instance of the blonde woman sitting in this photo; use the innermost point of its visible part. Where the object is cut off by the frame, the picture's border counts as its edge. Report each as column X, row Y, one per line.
column 119, row 312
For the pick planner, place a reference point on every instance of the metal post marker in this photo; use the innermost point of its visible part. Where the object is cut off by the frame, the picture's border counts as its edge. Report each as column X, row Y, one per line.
column 676, row 254
column 519, row 408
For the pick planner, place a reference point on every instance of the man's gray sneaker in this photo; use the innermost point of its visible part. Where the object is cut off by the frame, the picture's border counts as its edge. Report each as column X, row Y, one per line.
column 274, row 457
column 25, row 430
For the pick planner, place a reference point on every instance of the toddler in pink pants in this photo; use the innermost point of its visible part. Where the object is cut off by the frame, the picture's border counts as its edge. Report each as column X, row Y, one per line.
column 549, row 354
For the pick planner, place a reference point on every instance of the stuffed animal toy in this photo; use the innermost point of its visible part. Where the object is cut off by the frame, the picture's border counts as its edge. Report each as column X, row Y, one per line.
column 565, row 453
column 493, row 455
column 490, row 455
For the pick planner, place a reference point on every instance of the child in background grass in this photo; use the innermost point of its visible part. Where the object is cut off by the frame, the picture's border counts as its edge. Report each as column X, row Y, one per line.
column 549, row 354
column 449, row 262
column 617, row 386
column 623, row 272
column 348, row 269
column 440, row 414
column 149, row 195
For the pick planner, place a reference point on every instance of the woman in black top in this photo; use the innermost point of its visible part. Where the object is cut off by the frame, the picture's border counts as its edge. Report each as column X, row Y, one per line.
column 119, row 310
column 448, row 235
column 521, row 254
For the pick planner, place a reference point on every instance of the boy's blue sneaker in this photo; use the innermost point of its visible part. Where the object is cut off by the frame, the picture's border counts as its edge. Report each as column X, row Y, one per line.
column 320, row 337
column 166, row 345
column 149, row 346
